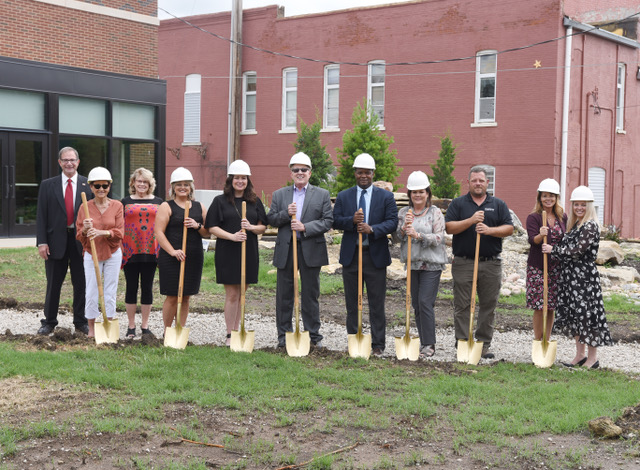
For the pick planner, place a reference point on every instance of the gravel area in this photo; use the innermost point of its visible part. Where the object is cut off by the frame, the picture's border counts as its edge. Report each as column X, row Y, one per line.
column 512, row 346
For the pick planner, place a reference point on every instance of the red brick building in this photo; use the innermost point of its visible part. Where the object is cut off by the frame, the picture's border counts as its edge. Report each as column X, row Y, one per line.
column 490, row 72
column 79, row 73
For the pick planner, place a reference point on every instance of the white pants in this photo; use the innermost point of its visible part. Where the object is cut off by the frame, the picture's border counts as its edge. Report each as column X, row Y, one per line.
column 110, row 272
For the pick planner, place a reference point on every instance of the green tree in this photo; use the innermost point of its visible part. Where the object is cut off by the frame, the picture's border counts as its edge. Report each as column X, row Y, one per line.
column 365, row 137
column 443, row 184
column 308, row 141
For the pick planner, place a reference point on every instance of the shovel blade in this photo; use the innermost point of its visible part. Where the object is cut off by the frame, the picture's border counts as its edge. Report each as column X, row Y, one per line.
column 242, row 341
column 107, row 332
column 176, row 337
column 298, row 343
column 359, row 345
column 544, row 356
column 407, row 348
column 469, row 351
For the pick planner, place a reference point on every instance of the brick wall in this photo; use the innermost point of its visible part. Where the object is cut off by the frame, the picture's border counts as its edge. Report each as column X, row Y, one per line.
column 58, row 35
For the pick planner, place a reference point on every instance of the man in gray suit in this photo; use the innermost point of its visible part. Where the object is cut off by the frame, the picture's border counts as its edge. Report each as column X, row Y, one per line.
column 58, row 203
column 311, row 207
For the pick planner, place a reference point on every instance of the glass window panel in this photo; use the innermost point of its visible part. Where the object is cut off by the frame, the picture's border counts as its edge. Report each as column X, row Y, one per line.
column 292, row 100
column 377, row 96
column 251, row 121
column 333, row 97
column 332, row 118
column 291, row 118
column 487, row 87
column 22, row 110
column 28, row 174
column 488, row 63
column 251, row 83
column 128, row 156
column 82, row 116
column 251, row 103
column 92, row 152
column 487, row 108
column 193, row 83
column 377, row 73
column 333, row 76
column 134, row 121
column 291, row 77
column 379, row 110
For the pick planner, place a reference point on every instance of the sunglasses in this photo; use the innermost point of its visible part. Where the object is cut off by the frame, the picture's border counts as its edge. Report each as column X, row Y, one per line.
column 101, row 186
column 298, row 170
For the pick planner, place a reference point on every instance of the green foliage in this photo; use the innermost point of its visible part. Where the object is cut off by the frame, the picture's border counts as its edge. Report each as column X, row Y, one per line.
column 443, row 184
column 309, row 142
column 365, row 137
column 612, row 232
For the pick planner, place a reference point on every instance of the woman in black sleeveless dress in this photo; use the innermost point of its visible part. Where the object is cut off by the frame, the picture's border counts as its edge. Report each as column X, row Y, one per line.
column 224, row 220
column 170, row 223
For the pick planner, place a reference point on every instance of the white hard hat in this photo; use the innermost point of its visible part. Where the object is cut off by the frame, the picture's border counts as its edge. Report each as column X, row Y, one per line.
column 582, row 193
column 181, row 174
column 99, row 174
column 549, row 186
column 239, row 167
column 300, row 158
column 364, row 160
column 417, row 180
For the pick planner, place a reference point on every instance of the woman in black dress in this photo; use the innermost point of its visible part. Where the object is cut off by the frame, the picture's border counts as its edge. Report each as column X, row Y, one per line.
column 170, row 222
column 580, row 309
column 224, row 220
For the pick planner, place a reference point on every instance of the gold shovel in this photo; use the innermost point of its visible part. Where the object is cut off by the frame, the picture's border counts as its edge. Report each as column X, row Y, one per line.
column 242, row 340
column 109, row 330
column 543, row 353
column 359, row 343
column 406, row 346
column 178, row 337
column 298, row 343
column 471, row 351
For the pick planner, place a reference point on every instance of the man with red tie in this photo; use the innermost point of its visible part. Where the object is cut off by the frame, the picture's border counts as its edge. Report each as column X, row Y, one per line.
column 58, row 203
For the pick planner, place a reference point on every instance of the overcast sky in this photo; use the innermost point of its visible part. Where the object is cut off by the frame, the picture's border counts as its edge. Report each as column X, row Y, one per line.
column 291, row 7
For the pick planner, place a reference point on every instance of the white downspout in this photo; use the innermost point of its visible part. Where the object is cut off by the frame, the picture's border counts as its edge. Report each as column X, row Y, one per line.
column 565, row 114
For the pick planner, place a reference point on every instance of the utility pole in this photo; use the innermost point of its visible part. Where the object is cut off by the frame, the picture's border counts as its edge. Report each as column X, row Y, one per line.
column 235, row 83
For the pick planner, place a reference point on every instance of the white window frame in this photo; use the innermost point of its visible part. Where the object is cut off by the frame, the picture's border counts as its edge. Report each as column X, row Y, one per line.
column 620, row 92
column 245, row 94
column 377, row 108
column 331, row 87
column 288, row 91
column 192, row 109
column 490, row 172
column 478, row 120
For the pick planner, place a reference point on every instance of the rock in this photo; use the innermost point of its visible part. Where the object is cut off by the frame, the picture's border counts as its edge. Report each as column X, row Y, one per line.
column 266, row 245
column 517, row 243
column 331, row 268
column 518, row 229
column 623, row 274
column 384, row 185
column 605, row 428
column 513, row 277
column 505, row 292
column 630, row 249
column 396, row 271
column 609, row 252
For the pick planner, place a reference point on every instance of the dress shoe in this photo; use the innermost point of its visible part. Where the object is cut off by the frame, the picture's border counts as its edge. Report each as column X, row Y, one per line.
column 377, row 352
column 486, row 354
column 577, row 364
column 46, row 329
column 595, row 365
column 82, row 329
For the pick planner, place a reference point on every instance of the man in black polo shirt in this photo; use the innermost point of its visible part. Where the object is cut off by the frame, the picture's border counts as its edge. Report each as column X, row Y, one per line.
column 477, row 212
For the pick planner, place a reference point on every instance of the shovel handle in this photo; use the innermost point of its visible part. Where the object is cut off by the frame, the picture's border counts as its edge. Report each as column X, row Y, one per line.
column 96, row 266
column 296, row 302
column 545, row 292
column 474, row 285
column 243, row 270
column 408, row 299
column 359, row 282
column 182, row 263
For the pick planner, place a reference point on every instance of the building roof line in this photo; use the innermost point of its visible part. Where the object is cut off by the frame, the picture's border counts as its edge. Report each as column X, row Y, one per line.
column 595, row 31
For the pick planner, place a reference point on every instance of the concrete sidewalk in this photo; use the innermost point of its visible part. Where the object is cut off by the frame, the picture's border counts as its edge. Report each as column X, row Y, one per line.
column 18, row 242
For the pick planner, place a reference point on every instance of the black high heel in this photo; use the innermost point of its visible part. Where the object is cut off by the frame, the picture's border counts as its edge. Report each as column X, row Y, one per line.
column 595, row 365
column 577, row 364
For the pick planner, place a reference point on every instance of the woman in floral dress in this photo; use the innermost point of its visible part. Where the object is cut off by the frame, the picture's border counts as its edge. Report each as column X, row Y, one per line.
column 546, row 201
column 580, row 308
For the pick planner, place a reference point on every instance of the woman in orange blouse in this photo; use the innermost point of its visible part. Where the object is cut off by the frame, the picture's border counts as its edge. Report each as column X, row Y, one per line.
column 105, row 227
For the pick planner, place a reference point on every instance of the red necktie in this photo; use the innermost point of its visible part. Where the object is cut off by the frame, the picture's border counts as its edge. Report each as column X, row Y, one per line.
column 68, row 202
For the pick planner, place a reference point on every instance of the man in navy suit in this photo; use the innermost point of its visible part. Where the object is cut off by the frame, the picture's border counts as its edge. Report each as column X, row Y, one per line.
column 312, row 207
column 379, row 218
column 58, row 203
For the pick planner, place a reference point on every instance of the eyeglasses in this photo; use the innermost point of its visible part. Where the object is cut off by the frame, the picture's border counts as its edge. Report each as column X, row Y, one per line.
column 65, row 161
column 101, row 186
column 298, row 170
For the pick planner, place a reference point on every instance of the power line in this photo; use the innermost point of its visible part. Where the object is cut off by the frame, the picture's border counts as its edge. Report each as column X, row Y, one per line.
column 422, row 62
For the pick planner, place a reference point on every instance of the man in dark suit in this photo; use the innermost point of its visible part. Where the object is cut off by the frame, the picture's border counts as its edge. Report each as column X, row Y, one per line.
column 311, row 207
column 58, row 203
column 379, row 217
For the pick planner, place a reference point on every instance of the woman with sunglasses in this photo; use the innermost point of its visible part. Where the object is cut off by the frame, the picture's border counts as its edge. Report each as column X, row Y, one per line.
column 224, row 220
column 105, row 226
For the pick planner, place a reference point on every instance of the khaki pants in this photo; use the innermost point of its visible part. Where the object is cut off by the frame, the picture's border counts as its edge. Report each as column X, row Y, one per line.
column 488, row 290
